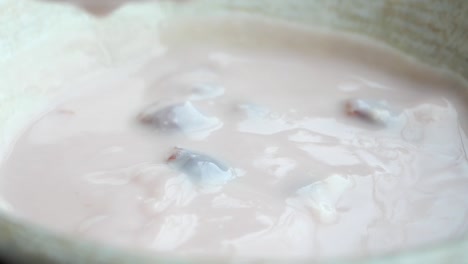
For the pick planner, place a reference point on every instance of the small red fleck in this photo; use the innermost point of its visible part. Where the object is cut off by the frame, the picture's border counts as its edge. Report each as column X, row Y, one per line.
column 350, row 109
column 172, row 157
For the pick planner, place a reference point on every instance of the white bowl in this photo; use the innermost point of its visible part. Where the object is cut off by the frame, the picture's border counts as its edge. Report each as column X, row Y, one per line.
column 43, row 36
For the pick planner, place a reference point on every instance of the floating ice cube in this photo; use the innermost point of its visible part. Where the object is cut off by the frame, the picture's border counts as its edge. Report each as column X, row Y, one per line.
column 179, row 117
column 201, row 168
column 322, row 196
column 369, row 110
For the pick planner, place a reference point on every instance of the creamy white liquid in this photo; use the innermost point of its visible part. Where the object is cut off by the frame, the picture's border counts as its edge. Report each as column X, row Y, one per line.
column 300, row 173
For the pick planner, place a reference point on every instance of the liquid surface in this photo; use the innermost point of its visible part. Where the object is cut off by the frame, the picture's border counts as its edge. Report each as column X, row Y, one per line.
column 263, row 141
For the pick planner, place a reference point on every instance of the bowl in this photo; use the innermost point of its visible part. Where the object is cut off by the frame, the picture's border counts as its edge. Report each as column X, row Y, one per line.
column 434, row 32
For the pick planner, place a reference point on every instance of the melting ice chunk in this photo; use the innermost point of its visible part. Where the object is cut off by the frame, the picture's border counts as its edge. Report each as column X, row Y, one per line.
column 373, row 111
column 322, row 196
column 201, row 168
column 180, row 117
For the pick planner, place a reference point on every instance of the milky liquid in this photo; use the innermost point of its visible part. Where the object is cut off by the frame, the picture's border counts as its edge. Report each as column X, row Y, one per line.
column 282, row 167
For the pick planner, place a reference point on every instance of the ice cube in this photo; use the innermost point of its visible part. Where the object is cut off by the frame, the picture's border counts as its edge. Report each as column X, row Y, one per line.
column 178, row 117
column 369, row 110
column 201, row 168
